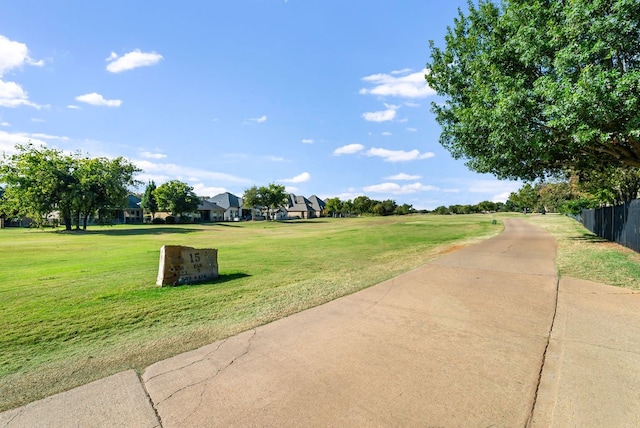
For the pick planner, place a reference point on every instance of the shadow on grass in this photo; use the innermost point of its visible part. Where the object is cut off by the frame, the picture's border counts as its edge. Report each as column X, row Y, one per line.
column 301, row 221
column 151, row 230
column 222, row 278
column 589, row 238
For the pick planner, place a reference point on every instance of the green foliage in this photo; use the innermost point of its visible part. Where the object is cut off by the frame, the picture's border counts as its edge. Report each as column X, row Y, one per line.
column 611, row 185
column 363, row 205
column 404, row 209
column 533, row 88
column 148, row 201
column 269, row 198
column 525, row 199
column 40, row 181
column 334, row 206
column 441, row 210
column 575, row 206
column 176, row 197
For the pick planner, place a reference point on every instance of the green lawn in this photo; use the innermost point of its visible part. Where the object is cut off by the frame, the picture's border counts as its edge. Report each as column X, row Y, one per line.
column 75, row 307
column 583, row 255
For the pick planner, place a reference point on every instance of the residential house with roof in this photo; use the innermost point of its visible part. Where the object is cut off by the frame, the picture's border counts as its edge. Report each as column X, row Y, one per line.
column 232, row 206
column 301, row 207
column 318, row 205
column 210, row 211
column 131, row 212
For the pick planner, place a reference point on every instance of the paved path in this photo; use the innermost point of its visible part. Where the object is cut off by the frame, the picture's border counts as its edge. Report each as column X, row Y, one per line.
column 462, row 341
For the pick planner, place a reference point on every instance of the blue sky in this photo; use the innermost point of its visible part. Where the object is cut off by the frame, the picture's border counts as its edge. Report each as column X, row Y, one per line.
column 324, row 96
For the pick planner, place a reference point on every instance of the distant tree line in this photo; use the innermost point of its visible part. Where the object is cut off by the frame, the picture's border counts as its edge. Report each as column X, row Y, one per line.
column 363, row 205
column 482, row 207
column 607, row 186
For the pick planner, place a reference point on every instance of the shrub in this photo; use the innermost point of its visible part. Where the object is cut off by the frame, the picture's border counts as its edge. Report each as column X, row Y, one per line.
column 158, row 221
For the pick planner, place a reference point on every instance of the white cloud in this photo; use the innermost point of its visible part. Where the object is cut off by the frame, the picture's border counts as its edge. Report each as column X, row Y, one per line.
column 96, row 99
column 132, row 60
column 14, row 55
column 411, row 104
column 403, row 71
column 349, row 149
column 163, row 171
column 73, row 107
column 502, row 197
column 386, row 134
column 300, row 178
column 5, row 124
column 9, row 140
column 12, row 95
column 260, row 119
column 150, row 155
column 275, row 158
column 307, row 141
column 383, row 115
column 499, row 190
column 49, row 137
column 398, row 155
column 37, row 120
column 201, row 189
column 493, row 186
column 408, row 86
column 403, row 176
column 412, row 130
column 396, row 189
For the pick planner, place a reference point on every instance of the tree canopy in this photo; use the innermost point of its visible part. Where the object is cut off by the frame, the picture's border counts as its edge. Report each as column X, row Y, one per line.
column 533, row 87
column 176, row 197
column 42, row 180
column 268, row 198
column 148, row 201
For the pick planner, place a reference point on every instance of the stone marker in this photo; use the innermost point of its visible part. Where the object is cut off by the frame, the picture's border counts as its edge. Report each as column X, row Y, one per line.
column 186, row 265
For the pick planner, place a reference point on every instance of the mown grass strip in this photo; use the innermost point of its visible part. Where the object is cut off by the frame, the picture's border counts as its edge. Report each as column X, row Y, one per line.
column 583, row 255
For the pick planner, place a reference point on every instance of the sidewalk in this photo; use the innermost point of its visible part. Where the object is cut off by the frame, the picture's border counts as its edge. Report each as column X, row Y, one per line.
column 460, row 341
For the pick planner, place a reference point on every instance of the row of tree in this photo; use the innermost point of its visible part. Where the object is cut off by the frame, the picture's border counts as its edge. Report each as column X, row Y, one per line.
column 40, row 181
column 363, row 205
column 571, row 195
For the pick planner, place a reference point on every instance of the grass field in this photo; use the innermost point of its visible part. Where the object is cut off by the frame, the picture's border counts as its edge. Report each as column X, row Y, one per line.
column 75, row 307
column 583, row 255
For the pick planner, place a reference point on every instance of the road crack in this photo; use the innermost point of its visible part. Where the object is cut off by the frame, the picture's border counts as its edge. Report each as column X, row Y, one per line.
column 544, row 355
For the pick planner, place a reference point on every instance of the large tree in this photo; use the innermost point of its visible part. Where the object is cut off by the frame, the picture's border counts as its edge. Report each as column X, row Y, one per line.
column 38, row 181
column 176, row 197
column 533, row 87
column 268, row 198
column 148, row 201
column 610, row 185
column 334, row 206
column 42, row 180
column 102, row 186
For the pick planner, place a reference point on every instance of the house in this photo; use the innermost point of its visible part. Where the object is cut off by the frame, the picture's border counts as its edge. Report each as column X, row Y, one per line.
column 132, row 213
column 232, row 206
column 301, row 207
column 210, row 211
column 318, row 205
